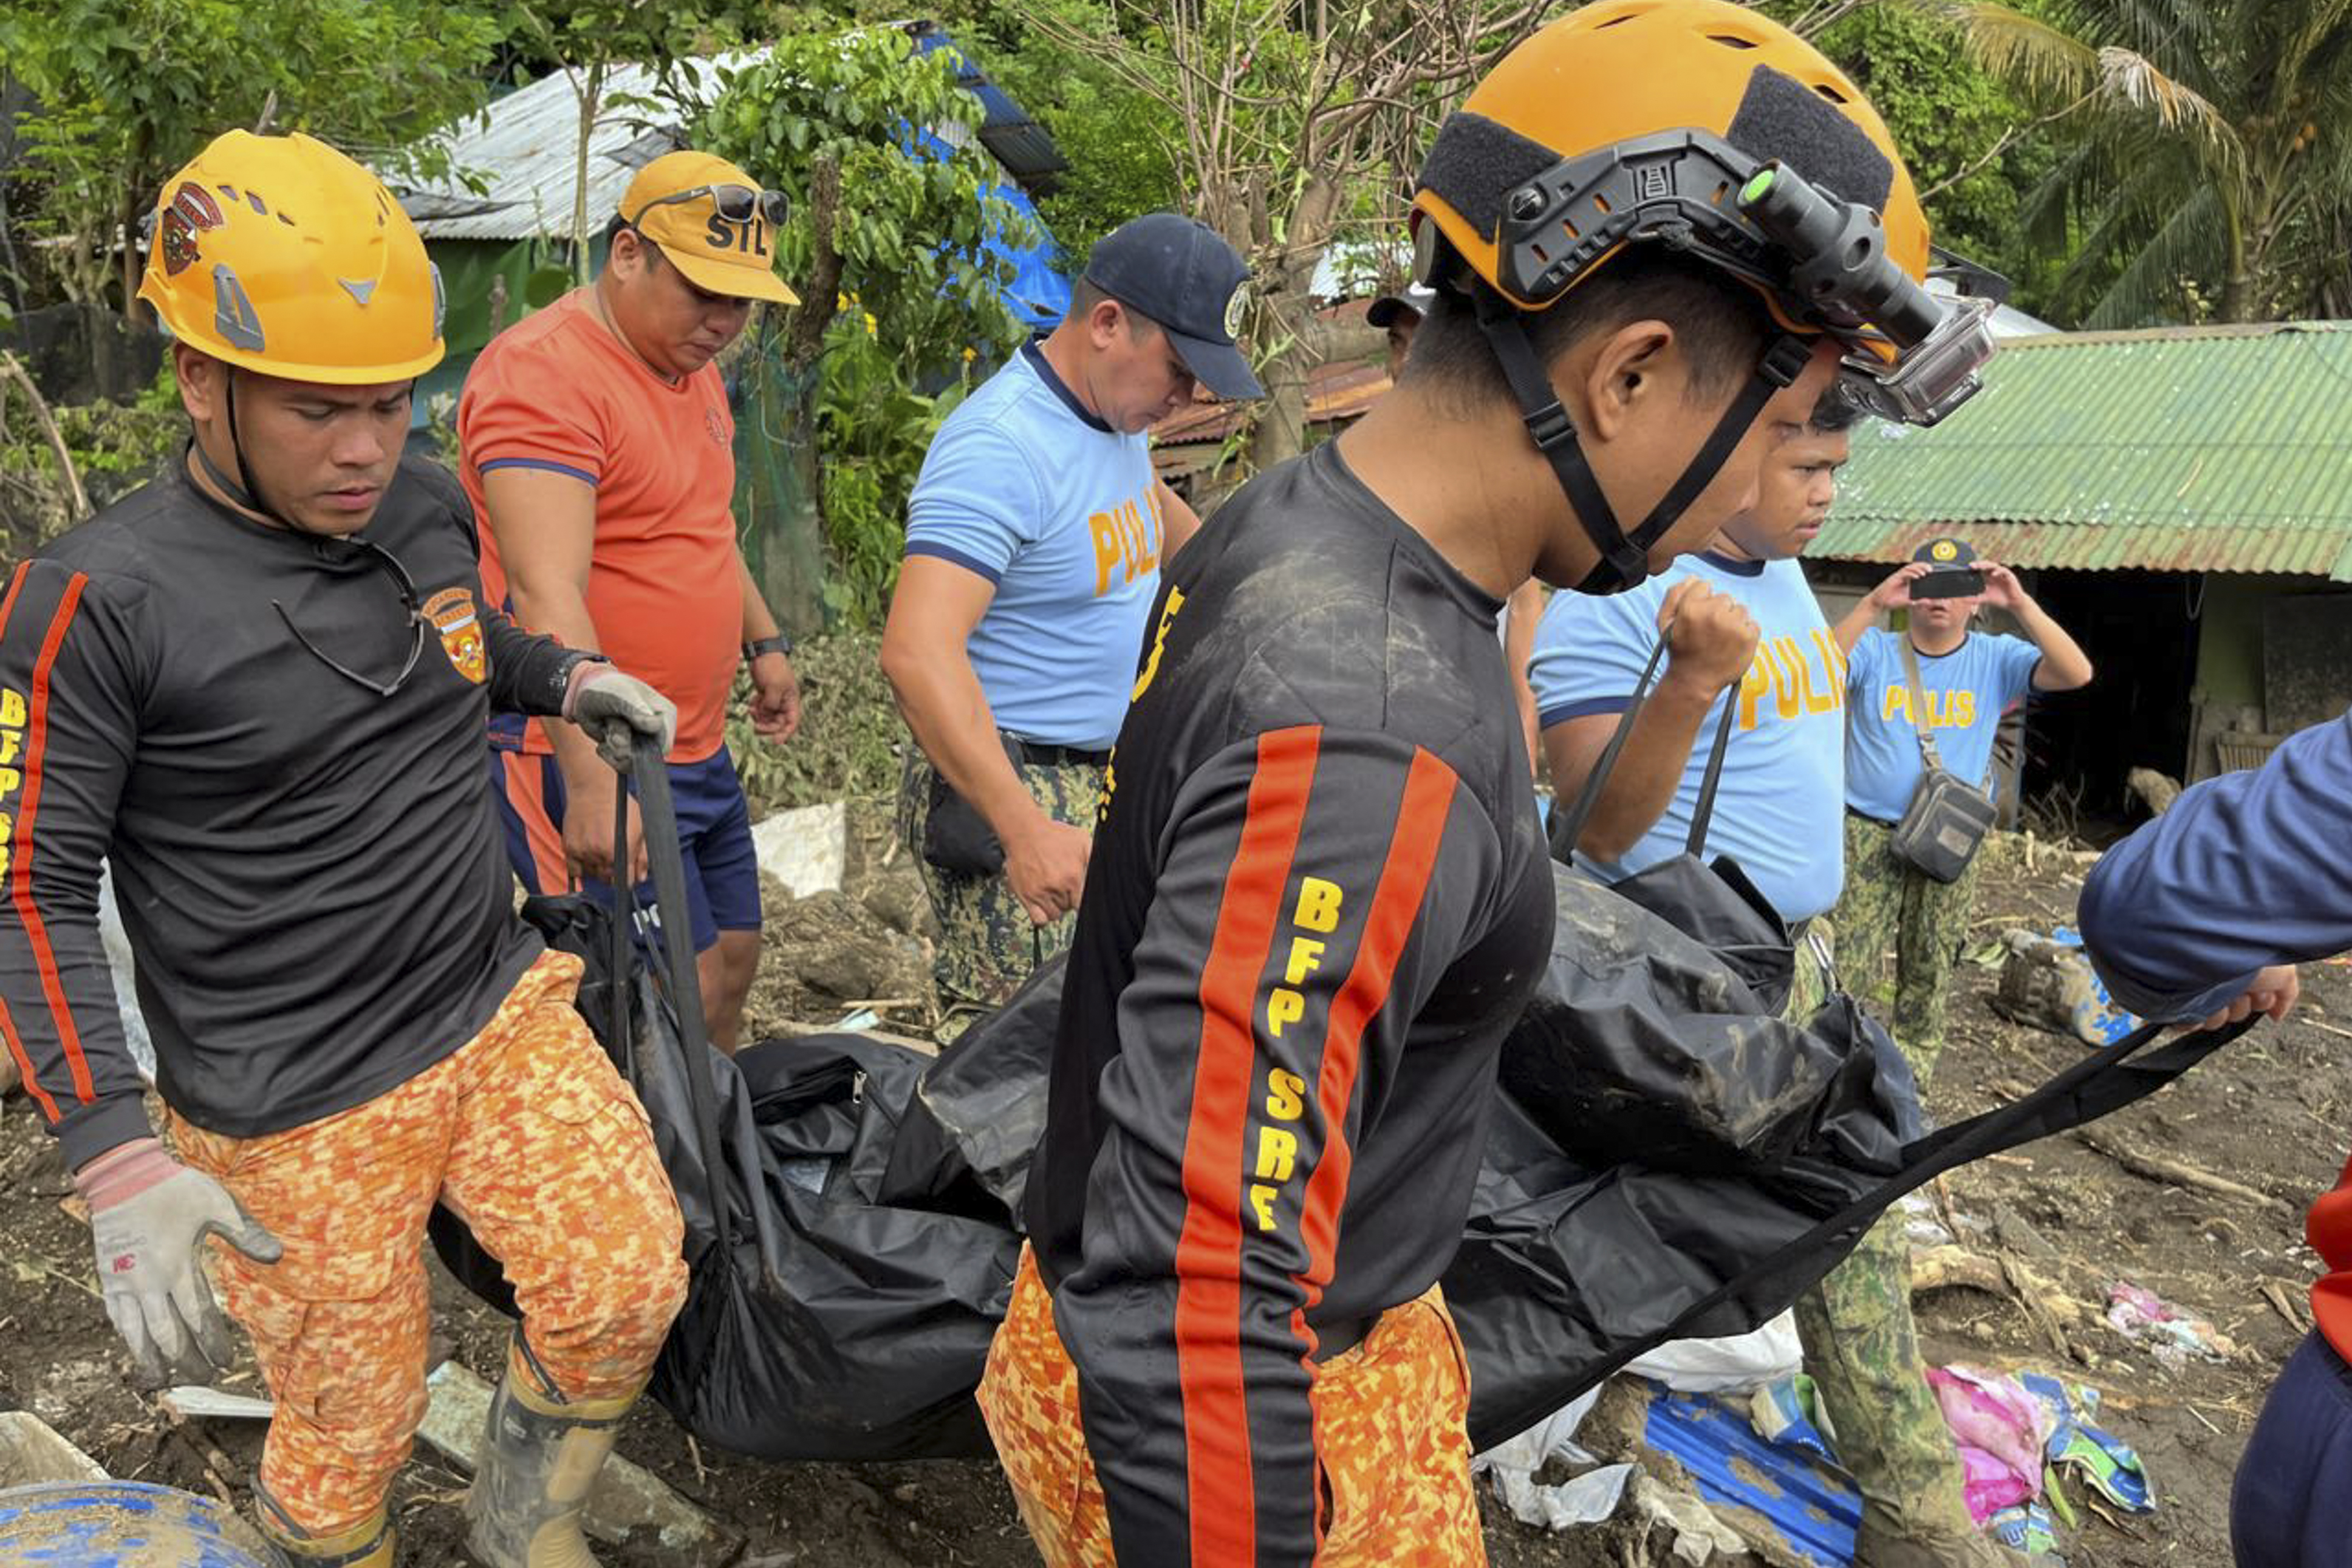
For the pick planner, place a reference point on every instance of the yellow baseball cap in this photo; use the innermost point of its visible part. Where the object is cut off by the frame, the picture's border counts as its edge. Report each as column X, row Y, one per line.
column 713, row 221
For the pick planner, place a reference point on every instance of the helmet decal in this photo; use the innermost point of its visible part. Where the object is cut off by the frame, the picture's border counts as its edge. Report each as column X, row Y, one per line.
column 233, row 313
column 359, row 291
column 440, row 300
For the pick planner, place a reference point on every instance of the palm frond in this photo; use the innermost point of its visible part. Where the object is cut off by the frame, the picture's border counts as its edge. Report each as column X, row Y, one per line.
column 2189, row 246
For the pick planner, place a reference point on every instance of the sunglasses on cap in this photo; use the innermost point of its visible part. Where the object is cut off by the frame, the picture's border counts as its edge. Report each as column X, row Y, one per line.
column 736, row 204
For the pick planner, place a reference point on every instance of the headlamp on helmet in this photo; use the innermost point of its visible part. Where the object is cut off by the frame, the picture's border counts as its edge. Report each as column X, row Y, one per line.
column 1821, row 264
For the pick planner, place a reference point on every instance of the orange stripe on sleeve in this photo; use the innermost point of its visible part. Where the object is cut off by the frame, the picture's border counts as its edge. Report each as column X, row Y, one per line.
column 37, row 930
column 1429, row 788
column 25, row 1066
column 1218, row 1469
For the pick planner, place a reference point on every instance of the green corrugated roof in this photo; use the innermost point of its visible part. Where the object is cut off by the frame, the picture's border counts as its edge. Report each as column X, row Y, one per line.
column 2183, row 449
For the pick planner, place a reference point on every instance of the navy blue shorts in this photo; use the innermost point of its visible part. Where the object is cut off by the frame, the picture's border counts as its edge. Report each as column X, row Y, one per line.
column 714, row 830
column 2291, row 1506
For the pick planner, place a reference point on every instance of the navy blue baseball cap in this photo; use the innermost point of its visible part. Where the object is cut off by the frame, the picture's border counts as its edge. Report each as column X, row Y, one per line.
column 1182, row 276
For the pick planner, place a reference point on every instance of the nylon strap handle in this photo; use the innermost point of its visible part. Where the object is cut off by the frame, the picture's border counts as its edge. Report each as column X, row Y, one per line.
column 1568, row 826
column 1704, row 813
column 650, row 771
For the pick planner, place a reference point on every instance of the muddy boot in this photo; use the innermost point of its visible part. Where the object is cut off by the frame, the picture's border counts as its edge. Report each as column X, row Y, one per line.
column 539, row 1459
column 1878, row 1545
column 368, row 1545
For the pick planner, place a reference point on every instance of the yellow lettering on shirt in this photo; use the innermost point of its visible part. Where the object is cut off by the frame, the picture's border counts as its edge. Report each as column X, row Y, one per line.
column 1276, row 1151
column 1285, row 1095
column 1158, row 643
column 1318, row 905
column 1823, row 701
column 1109, row 550
column 12, row 708
column 1283, row 1006
column 12, row 741
column 1306, row 957
column 1897, row 702
column 1262, row 1202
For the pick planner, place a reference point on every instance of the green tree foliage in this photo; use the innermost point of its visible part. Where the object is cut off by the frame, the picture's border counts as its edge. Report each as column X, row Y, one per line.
column 129, row 90
column 2207, row 158
column 585, row 40
column 887, row 245
column 1972, row 145
column 1116, row 140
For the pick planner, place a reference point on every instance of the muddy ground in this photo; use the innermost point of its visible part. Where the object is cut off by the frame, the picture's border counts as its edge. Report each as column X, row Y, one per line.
column 2272, row 1115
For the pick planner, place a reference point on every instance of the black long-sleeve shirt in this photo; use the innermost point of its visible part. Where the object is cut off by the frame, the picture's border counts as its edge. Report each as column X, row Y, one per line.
column 310, row 871
column 1318, row 897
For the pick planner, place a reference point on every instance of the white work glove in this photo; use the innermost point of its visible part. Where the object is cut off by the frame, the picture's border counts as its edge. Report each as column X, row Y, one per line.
column 614, row 708
column 149, row 1216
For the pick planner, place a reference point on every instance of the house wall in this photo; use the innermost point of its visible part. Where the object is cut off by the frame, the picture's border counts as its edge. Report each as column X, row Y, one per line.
column 2275, row 655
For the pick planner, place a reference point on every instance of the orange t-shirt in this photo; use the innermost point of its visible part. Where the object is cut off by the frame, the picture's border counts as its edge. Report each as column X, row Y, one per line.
column 559, row 392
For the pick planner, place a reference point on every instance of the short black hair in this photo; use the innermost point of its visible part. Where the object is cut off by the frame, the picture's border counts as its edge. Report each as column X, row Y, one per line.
column 1085, row 294
column 1721, row 324
column 621, row 225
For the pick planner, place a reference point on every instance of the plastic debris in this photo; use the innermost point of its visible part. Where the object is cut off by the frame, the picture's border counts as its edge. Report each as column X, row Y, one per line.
column 1698, row 1533
column 1733, row 1363
column 2025, row 1527
column 1791, row 1413
column 1587, row 1499
column 2174, row 1336
column 2110, row 1465
column 2000, row 1428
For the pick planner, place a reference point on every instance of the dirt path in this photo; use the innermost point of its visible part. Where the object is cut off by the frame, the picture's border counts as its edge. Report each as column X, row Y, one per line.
column 2274, row 1114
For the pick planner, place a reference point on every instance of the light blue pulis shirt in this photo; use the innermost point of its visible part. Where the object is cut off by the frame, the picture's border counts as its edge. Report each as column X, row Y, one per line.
column 1778, row 805
column 1061, row 513
column 1967, row 690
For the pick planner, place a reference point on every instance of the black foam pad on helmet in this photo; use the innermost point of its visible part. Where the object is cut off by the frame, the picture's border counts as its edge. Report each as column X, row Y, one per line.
column 1477, row 161
column 1782, row 118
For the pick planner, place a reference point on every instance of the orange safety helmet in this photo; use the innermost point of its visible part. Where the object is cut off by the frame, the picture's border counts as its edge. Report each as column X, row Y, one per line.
column 280, row 255
column 1617, row 78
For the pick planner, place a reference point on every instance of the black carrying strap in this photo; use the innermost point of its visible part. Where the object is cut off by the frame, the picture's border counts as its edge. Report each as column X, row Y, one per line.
column 1566, row 827
column 683, row 983
column 2092, row 1088
column 1624, row 558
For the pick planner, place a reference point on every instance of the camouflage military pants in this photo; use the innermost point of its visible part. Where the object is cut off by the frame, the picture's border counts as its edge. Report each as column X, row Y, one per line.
column 1861, row 1345
column 1890, row 910
column 987, row 943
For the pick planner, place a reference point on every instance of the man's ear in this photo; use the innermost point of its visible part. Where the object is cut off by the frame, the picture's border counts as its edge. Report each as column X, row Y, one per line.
column 1635, row 369
column 626, row 257
column 1107, row 322
column 201, row 380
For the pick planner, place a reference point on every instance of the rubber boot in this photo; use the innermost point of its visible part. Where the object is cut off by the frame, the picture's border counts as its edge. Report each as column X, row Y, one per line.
column 367, row 1544
column 1876, row 1545
column 539, row 1459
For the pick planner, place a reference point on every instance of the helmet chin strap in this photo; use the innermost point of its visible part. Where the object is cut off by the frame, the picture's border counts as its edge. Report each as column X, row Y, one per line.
column 242, row 490
column 1624, row 558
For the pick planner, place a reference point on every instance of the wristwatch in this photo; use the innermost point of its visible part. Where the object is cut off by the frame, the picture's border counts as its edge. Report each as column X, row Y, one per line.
column 779, row 643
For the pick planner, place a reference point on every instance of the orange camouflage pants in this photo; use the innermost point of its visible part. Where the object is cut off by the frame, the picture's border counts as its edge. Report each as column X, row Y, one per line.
column 1388, row 1415
column 528, row 1134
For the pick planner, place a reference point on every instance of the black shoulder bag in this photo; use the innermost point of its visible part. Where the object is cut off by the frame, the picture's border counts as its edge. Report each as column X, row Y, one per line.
column 1948, row 818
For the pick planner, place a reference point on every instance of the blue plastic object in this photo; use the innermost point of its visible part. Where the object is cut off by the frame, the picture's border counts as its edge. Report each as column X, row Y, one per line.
column 1808, row 1499
column 121, row 1524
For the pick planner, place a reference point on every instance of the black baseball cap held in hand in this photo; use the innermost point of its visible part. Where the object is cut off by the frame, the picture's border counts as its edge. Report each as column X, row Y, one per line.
column 1182, row 276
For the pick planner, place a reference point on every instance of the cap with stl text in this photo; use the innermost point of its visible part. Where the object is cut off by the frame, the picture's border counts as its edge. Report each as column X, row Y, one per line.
column 713, row 221
column 1184, row 279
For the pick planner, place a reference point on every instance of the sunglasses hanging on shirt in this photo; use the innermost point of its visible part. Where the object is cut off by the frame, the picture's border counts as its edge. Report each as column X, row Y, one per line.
column 388, row 564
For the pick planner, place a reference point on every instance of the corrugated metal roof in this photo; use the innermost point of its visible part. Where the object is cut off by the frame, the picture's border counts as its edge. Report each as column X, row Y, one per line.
column 523, row 146
column 2183, row 449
